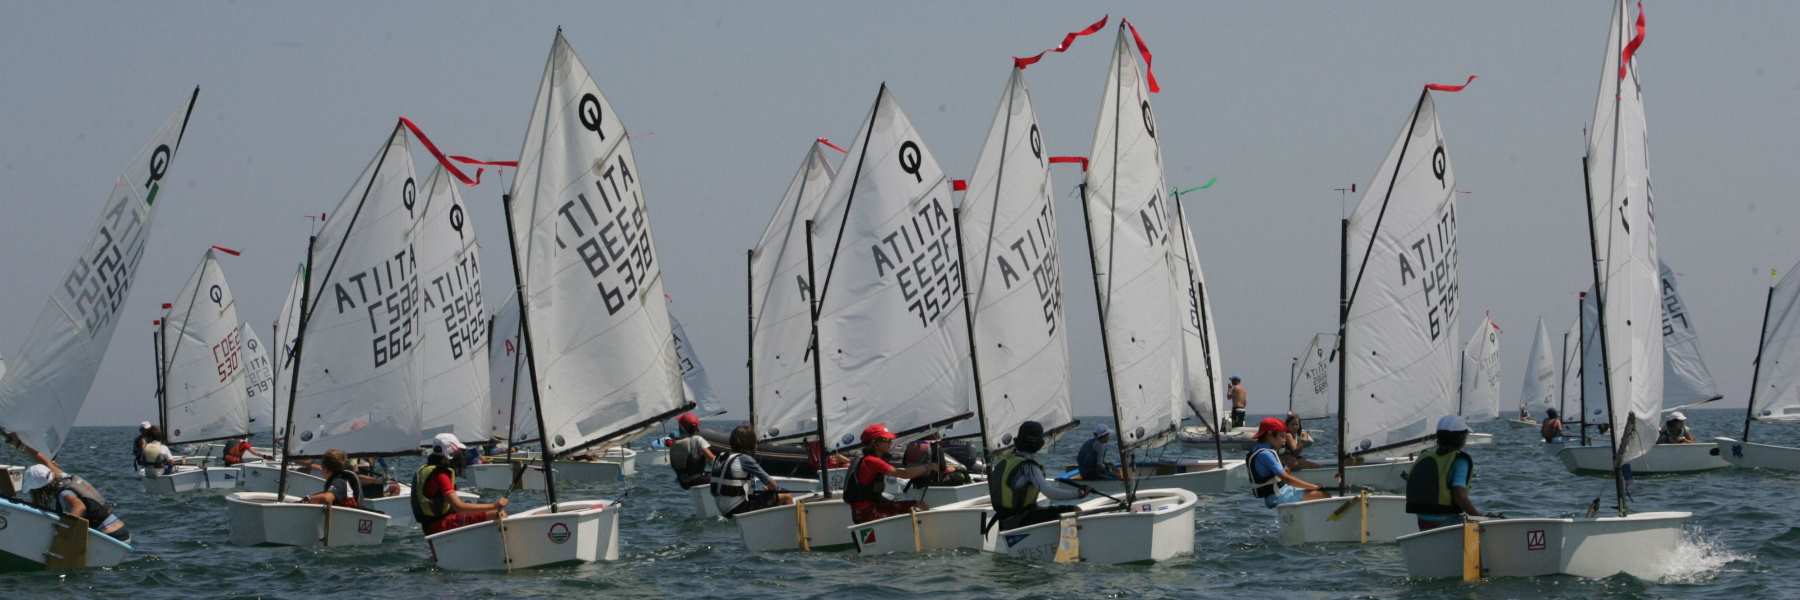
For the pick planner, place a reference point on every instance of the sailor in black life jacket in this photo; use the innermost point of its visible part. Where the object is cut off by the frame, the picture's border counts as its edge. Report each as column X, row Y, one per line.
column 50, row 489
column 689, row 455
column 1437, row 489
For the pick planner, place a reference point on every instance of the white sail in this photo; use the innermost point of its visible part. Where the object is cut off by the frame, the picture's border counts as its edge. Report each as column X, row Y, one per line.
column 1541, row 388
column 509, row 384
column 453, row 357
column 202, row 360
column 1312, row 398
column 890, row 318
column 1620, row 206
column 1129, row 229
column 358, row 387
column 48, row 379
column 1403, row 330
column 1593, row 364
column 1481, row 374
column 287, row 326
column 1686, row 380
column 781, row 395
column 1010, row 246
column 1204, row 395
column 694, row 383
column 1776, row 396
column 1569, row 402
column 259, row 384
column 596, row 319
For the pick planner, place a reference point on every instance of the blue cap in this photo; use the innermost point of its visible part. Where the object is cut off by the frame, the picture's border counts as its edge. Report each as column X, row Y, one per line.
column 1101, row 431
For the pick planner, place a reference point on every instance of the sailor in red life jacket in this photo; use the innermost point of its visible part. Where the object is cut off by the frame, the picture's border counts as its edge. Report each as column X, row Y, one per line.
column 236, row 449
column 435, row 504
column 868, row 478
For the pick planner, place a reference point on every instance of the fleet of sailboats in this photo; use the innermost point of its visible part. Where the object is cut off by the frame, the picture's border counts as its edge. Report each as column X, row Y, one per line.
column 879, row 294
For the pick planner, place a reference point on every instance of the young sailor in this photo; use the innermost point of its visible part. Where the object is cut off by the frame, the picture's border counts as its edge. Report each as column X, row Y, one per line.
column 1552, row 429
column 1017, row 480
column 137, row 445
column 49, row 488
column 732, row 479
column 1437, row 489
column 1240, row 401
column 1269, row 480
column 341, row 486
column 236, row 449
column 1091, row 460
column 1676, row 430
column 863, row 489
column 155, row 458
column 689, row 454
column 435, row 504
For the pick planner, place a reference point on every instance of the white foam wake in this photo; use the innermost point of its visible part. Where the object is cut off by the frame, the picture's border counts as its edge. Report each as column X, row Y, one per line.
column 1698, row 558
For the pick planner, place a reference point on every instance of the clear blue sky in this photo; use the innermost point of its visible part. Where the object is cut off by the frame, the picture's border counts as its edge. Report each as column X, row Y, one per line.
column 1282, row 101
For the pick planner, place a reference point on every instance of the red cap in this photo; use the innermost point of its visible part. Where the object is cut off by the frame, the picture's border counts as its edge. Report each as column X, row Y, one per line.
column 1270, row 425
column 688, row 420
column 876, row 431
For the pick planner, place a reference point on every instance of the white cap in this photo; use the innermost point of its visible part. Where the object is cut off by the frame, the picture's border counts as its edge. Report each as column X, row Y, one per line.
column 143, row 425
column 1677, row 416
column 1453, row 424
column 445, row 443
column 36, row 477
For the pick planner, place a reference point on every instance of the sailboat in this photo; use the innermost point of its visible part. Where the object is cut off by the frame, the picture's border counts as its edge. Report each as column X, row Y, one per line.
column 1139, row 289
column 1623, row 241
column 265, row 475
column 1773, row 385
column 1478, row 385
column 259, row 384
column 601, row 359
column 1017, row 330
column 1309, row 379
column 358, row 390
column 1687, row 383
column 1397, row 372
column 1541, row 388
column 513, row 421
column 46, row 383
column 200, row 389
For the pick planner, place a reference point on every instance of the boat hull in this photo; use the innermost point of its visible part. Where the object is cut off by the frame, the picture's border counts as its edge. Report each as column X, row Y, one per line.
column 1522, row 423
column 1380, row 521
column 192, row 479
column 1159, row 526
column 1752, row 455
column 1389, row 476
column 1639, row 545
column 1480, row 439
column 499, row 476
column 943, row 495
column 956, row 525
column 578, row 532
column 29, row 534
column 1197, row 476
column 1662, row 459
column 776, row 528
column 256, row 519
column 266, row 477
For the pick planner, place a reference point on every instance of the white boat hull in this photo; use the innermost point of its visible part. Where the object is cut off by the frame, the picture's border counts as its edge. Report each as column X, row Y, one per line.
column 1662, row 459
column 499, row 476
column 1380, row 521
column 1522, row 423
column 953, row 526
column 944, row 495
column 398, row 507
column 1752, row 455
column 1387, row 476
column 1640, row 545
column 265, row 477
column 594, row 471
column 580, row 531
column 256, row 519
column 705, row 506
column 191, row 479
column 29, row 533
column 776, row 528
column 1480, row 439
column 1159, row 526
column 1197, row 476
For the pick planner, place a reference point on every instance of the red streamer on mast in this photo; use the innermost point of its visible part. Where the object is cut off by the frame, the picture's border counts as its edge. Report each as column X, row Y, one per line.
column 827, row 143
column 1149, row 72
column 1450, row 88
column 959, row 185
column 1079, row 160
column 227, row 250
column 448, row 161
column 1636, row 40
column 1020, row 62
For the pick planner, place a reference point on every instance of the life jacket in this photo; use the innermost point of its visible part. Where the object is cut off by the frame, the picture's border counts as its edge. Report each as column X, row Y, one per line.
column 234, row 453
column 1005, row 497
column 425, row 509
column 1265, row 487
column 857, row 491
column 97, row 508
column 724, row 484
column 688, row 461
column 1428, row 486
column 353, row 484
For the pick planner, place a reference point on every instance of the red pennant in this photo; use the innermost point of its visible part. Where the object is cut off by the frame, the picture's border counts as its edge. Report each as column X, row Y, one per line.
column 1149, row 72
column 227, row 250
column 1080, row 160
column 1020, row 62
column 167, row 306
column 1636, row 40
column 1449, row 87
column 827, row 143
column 156, row 322
column 959, row 185
column 446, row 161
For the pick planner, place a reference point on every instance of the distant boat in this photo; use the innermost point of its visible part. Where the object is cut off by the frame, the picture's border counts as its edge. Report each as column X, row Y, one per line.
column 1775, row 385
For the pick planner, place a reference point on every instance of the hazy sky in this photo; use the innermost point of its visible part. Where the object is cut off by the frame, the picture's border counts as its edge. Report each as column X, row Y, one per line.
column 1281, row 101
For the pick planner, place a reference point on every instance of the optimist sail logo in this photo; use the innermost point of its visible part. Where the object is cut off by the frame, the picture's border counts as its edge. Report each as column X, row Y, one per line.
column 1534, row 540
column 868, row 536
column 558, row 533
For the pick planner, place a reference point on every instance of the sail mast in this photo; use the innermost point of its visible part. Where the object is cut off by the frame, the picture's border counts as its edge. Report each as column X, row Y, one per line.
column 824, row 461
column 1342, row 347
column 750, row 330
column 294, row 374
column 537, row 402
column 1105, row 344
column 162, row 400
column 1762, row 339
column 981, row 422
column 1197, row 292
